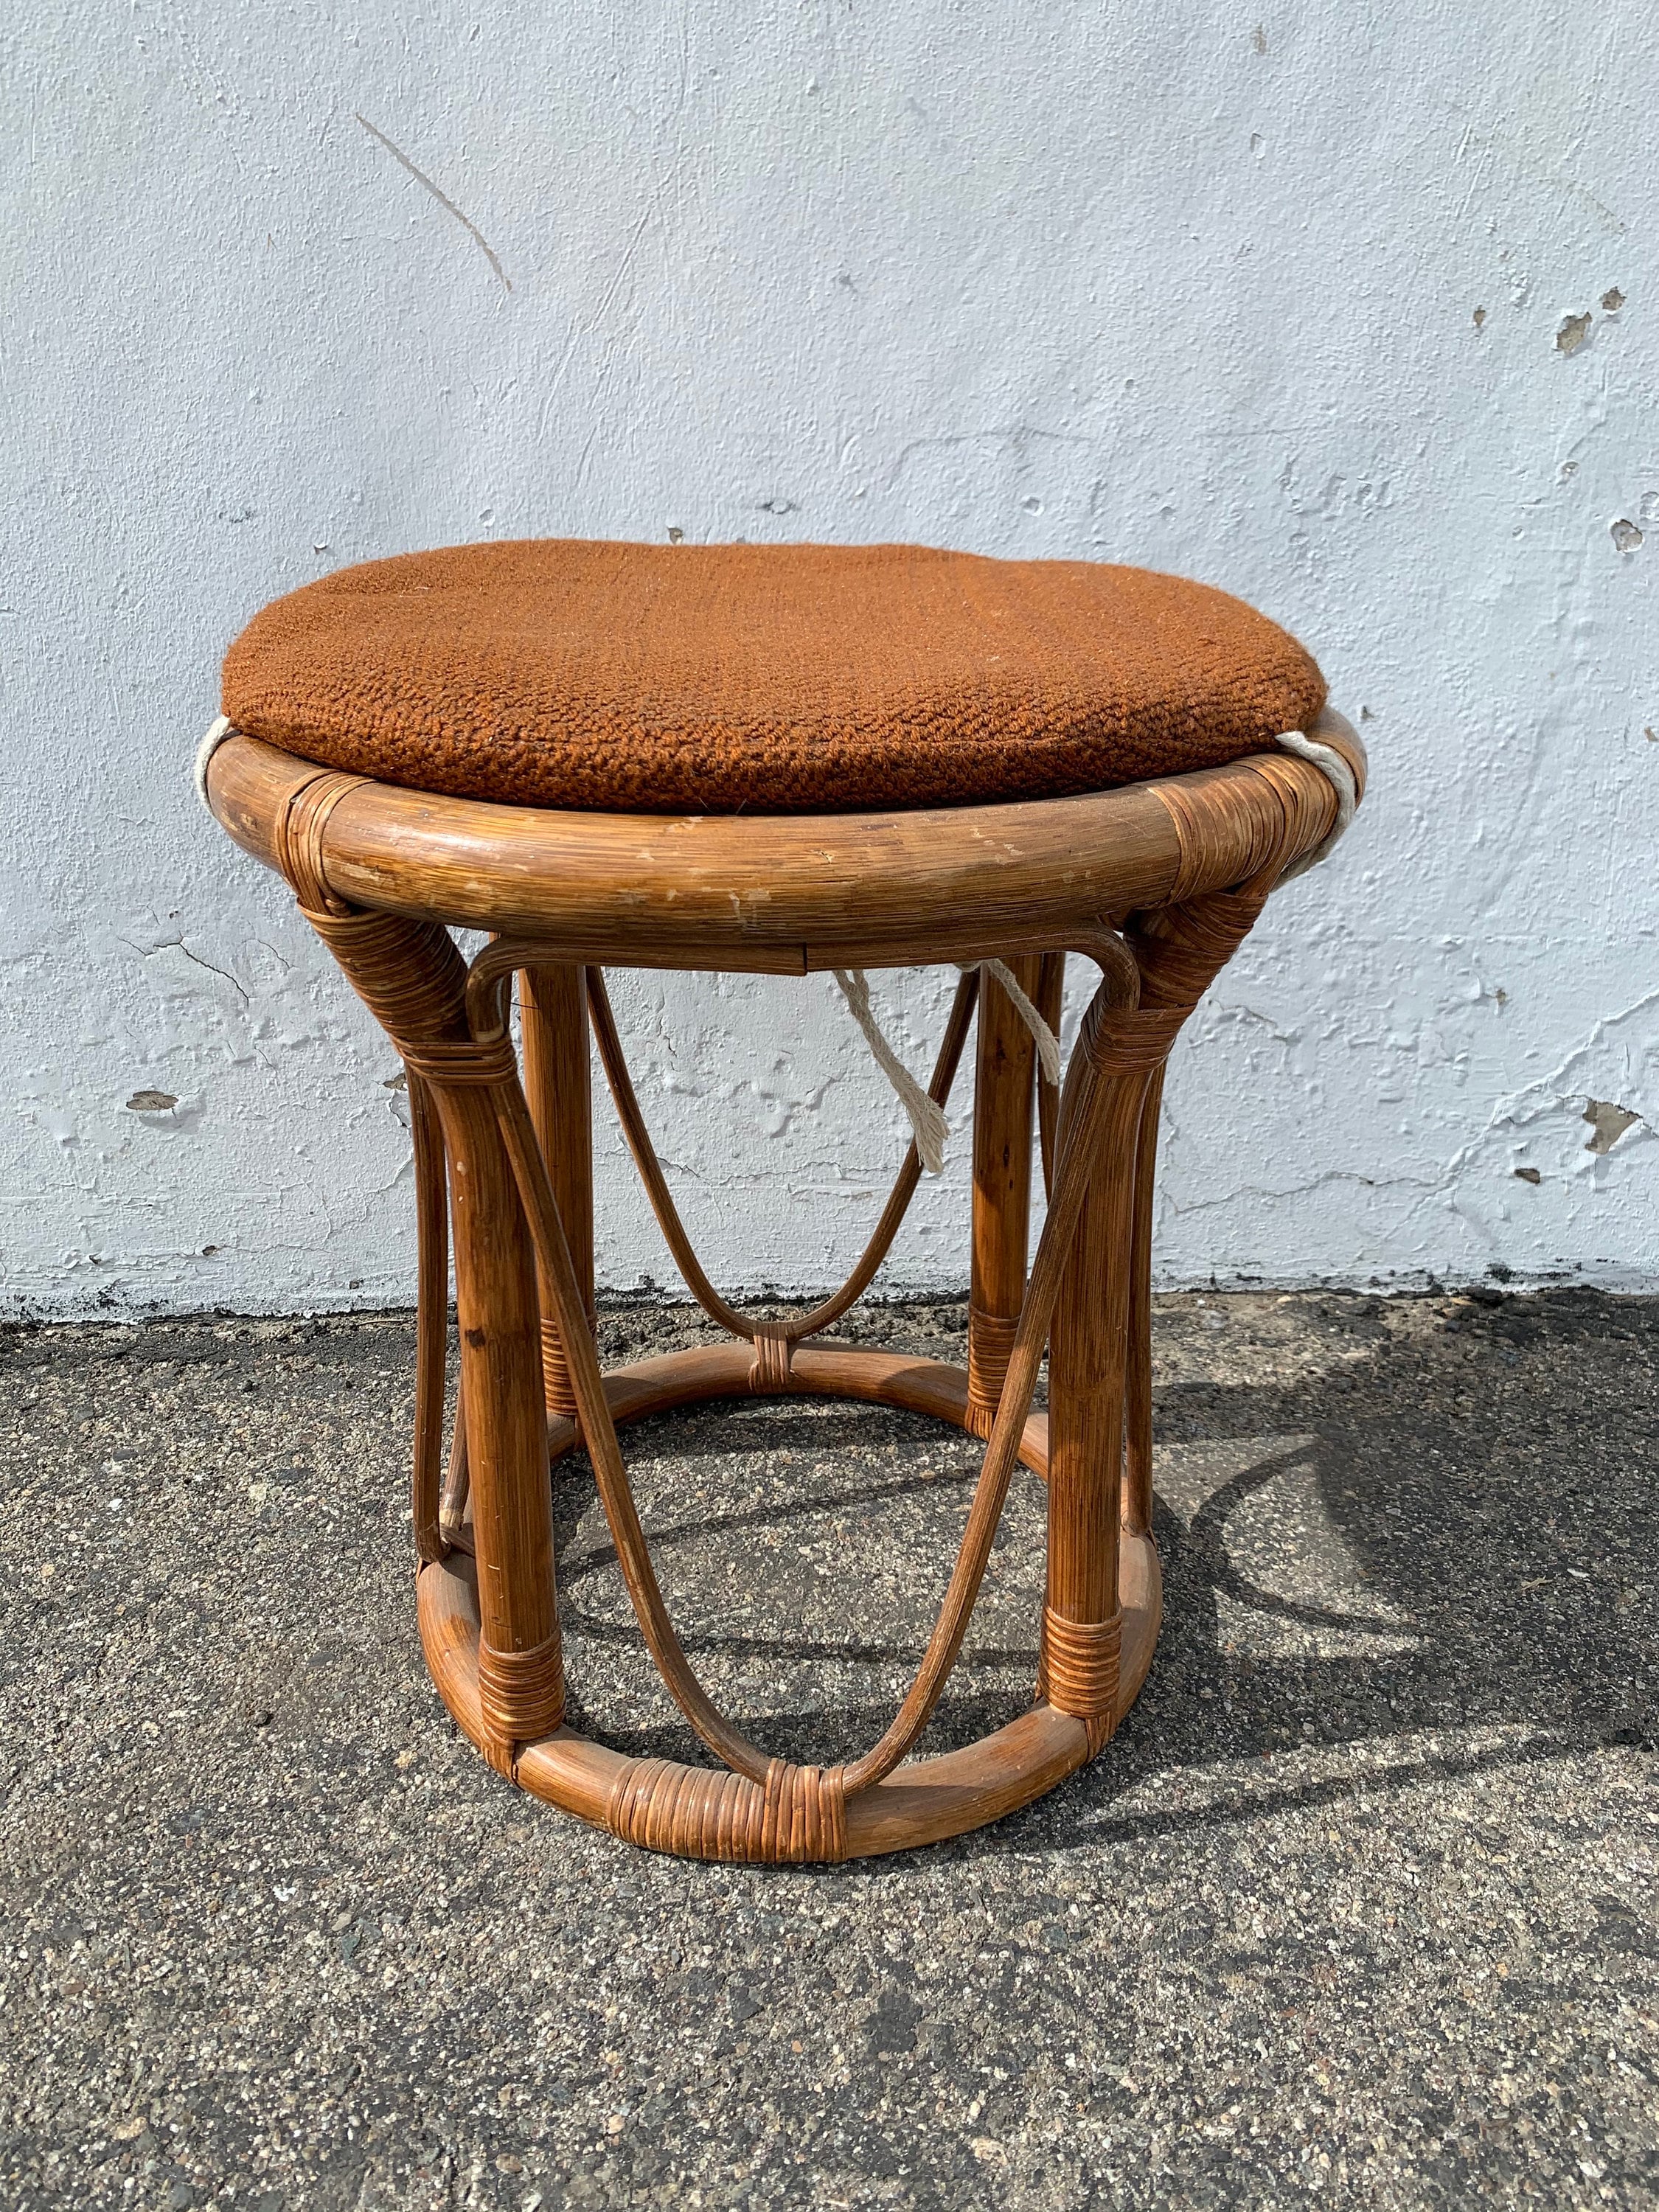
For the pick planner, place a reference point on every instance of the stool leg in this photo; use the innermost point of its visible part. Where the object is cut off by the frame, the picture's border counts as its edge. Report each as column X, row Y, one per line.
column 1087, row 1370
column 1003, row 1085
column 520, row 1672
column 1138, row 1414
column 414, row 980
column 553, row 1032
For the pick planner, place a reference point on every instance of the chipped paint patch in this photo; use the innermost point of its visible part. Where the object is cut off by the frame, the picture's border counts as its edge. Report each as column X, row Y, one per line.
column 1573, row 333
column 1608, row 1122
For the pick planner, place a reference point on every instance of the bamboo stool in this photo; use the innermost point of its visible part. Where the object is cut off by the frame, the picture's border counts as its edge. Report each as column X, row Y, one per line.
column 1154, row 881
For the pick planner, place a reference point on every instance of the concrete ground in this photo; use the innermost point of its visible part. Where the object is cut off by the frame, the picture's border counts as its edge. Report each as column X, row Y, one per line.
column 1360, row 1905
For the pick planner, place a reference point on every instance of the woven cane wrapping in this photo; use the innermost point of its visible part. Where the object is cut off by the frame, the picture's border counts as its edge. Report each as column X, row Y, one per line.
column 1080, row 1663
column 797, row 1817
column 990, row 1348
column 521, row 1693
column 774, row 1351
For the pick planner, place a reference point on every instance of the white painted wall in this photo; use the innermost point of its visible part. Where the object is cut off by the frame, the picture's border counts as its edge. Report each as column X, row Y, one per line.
column 1274, row 303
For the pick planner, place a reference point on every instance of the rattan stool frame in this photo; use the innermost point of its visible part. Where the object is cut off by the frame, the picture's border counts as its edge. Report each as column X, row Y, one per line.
column 1155, row 884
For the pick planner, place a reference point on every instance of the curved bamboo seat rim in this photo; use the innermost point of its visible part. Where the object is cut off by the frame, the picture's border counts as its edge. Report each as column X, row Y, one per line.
column 785, row 894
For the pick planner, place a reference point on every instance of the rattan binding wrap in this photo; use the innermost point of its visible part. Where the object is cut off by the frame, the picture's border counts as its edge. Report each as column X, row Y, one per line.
column 990, row 1348
column 773, row 1346
column 797, row 1816
column 1080, row 1664
column 520, row 1694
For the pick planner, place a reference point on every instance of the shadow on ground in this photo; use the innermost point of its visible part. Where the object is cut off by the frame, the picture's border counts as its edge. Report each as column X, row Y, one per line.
column 1451, row 1526
column 1358, row 1906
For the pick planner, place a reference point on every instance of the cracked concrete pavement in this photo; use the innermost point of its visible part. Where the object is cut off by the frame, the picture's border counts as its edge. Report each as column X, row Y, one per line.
column 1360, row 1905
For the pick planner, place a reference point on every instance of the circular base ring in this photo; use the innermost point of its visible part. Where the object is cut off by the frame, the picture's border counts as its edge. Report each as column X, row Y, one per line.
column 925, row 1800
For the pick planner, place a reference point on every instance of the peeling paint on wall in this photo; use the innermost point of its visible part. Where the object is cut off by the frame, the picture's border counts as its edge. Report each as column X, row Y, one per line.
column 1348, row 314
column 1573, row 333
column 1608, row 1122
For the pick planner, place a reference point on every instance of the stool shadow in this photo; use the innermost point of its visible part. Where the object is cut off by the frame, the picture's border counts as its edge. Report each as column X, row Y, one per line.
column 1472, row 1579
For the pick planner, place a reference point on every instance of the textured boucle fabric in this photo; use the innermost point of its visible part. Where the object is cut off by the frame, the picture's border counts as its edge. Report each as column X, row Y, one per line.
column 791, row 679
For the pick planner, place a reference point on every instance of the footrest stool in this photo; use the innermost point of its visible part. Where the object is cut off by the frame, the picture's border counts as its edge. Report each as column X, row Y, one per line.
column 777, row 761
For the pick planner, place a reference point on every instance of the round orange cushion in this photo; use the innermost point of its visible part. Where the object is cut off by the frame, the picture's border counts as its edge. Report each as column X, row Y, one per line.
column 789, row 679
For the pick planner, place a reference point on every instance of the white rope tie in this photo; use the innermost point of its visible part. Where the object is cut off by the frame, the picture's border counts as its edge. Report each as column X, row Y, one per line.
column 221, row 728
column 1341, row 779
column 1047, row 1043
column 927, row 1116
